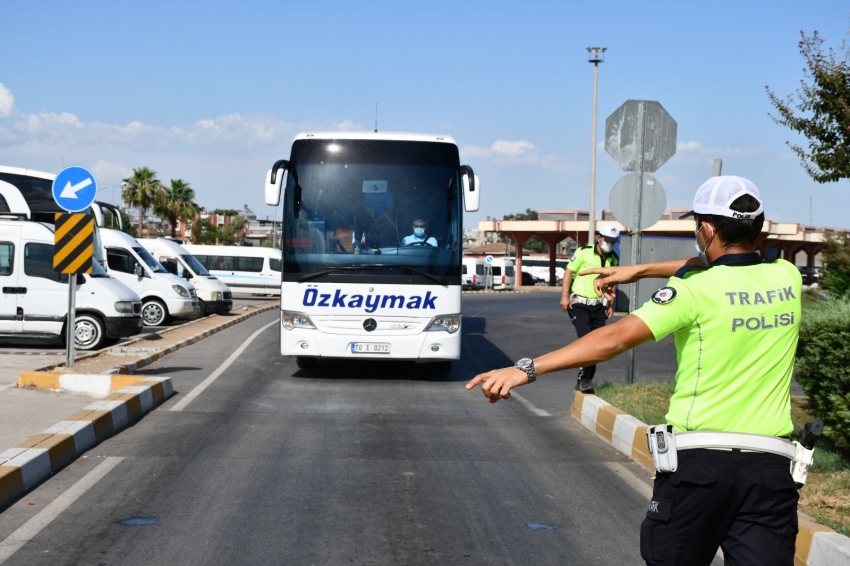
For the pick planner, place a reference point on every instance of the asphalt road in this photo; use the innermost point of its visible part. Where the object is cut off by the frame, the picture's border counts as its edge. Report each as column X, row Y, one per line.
column 350, row 463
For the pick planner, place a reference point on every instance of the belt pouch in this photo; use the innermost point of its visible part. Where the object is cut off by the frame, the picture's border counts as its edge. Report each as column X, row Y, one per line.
column 662, row 445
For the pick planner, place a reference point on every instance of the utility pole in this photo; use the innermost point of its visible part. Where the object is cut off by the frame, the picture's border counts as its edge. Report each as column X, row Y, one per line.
column 596, row 55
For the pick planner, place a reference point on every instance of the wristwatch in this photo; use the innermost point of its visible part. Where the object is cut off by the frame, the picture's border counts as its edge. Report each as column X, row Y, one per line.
column 527, row 365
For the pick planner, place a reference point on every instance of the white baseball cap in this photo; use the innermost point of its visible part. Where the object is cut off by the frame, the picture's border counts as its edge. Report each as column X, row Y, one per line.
column 718, row 193
column 609, row 232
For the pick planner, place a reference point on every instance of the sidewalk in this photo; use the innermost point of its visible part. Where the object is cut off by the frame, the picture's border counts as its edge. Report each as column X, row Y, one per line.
column 27, row 411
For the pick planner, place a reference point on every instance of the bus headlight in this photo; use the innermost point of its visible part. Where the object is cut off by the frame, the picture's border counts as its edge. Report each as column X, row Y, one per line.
column 449, row 323
column 216, row 296
column 290, row 320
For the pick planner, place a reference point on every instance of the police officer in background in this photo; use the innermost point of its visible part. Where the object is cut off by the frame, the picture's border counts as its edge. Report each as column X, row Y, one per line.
column 587, row 310
column 735, row 324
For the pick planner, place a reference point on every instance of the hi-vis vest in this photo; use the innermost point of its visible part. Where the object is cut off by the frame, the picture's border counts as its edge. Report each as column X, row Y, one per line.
column 588, row 258
column 735, row 328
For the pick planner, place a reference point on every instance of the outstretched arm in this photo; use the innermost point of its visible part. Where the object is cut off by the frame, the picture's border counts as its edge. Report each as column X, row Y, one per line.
column 598, row 346
column 610, row 277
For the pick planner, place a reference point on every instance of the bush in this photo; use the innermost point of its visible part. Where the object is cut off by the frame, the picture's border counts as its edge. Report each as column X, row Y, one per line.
column 823, row 364
column 836, row 264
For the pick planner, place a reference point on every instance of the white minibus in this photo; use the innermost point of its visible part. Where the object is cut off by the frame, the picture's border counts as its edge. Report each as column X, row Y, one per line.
column 164, row 295
column 213, row 295
column 244, row 269
column 472, row 273
column 34, row 298
column 503, row 274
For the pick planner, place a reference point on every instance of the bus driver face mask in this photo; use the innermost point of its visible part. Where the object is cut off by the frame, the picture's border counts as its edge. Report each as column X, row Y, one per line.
column 419, row 232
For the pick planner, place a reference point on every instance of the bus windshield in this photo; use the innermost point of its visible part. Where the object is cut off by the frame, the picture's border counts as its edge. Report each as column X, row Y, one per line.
column 371, row 210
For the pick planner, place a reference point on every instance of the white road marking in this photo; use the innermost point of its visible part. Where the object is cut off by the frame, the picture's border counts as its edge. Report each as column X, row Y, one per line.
column 638, row 485
column 529, row 405
column 630, row 478
column 31, row 528
column 179, row 406
column 2, row 387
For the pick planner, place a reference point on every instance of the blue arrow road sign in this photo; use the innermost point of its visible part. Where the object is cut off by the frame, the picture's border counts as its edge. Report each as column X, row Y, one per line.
column 74, row 188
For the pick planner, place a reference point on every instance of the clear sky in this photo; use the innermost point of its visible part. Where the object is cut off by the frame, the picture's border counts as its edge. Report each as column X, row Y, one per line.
column 212, row 92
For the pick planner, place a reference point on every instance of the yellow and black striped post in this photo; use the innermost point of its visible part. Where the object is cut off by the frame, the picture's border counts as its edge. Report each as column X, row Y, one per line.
column 73, row 245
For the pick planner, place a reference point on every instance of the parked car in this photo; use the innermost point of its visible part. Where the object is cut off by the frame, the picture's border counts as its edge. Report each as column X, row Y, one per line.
column 529, row 280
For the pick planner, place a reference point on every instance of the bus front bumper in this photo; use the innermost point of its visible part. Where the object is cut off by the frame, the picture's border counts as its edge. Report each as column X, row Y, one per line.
column 425, row 346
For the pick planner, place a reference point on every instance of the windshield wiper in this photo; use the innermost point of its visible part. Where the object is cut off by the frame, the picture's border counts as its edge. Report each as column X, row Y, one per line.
column 318, row 274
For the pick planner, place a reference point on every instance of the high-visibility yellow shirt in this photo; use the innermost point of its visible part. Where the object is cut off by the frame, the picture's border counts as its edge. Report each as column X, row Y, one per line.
column 735, row 328
column 588, row 257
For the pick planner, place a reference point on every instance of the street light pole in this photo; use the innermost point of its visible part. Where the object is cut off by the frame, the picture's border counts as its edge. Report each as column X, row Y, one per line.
column 596, row 55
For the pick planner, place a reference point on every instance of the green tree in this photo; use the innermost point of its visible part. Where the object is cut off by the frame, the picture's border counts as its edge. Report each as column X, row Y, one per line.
column 203, row 232
column 126, row 225
column 836, row 264
column 820, row 111
column 142, row 190
column 534, row 243
column 229, row 233
column 176, row 202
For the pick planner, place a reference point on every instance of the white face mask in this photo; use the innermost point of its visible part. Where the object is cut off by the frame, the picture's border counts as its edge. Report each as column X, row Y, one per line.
column 606, row 246
column 700, row 252
column 419, row 232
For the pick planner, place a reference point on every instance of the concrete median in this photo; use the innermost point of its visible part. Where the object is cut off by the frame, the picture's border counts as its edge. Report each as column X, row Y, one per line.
column 817, row 545
column 31, row 462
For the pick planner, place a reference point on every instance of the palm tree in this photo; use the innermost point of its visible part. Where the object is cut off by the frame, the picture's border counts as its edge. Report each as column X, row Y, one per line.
column 176, row 202
column 141, row 191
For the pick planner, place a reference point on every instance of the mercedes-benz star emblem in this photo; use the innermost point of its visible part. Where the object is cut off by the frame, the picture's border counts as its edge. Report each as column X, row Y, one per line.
column 370, row 324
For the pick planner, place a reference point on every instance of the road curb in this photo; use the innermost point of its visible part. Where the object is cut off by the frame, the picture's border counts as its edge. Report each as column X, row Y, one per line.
column 25, row 466
column 817, row 545
column 93, row 384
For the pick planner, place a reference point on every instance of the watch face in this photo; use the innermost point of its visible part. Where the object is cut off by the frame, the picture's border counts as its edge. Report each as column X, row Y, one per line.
column 524, row 363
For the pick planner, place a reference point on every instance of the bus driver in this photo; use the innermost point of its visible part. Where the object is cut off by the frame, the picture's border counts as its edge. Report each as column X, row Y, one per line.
column 419, row 237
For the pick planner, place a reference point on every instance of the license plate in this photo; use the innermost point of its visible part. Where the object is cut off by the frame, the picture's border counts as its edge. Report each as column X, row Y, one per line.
column 369, row 348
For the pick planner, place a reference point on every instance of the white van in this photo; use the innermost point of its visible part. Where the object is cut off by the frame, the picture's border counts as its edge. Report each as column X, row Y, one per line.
column 242, row 268
column 472, row 273
column 504, row 273
column 35, row 298
column 213, row 295
column 163, row 295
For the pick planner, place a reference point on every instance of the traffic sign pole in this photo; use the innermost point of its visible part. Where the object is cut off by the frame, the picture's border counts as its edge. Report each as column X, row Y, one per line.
column 72, row 320
column 635, row 260
column 641, row 136
column 74, row 189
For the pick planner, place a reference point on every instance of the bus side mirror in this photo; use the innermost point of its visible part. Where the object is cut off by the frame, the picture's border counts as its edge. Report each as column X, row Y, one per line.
column 471, row 189
column 138, row 271
column 274, row 181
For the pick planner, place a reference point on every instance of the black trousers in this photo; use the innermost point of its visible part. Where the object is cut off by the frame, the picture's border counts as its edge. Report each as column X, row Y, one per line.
column 587, row 319
column 743, row 502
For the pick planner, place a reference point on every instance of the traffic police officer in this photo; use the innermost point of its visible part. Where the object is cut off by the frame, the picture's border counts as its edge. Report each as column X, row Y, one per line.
column 735, row 325
column 587, row 310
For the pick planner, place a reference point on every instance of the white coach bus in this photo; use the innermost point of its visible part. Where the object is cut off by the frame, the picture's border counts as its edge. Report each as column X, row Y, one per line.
column 372, row 246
